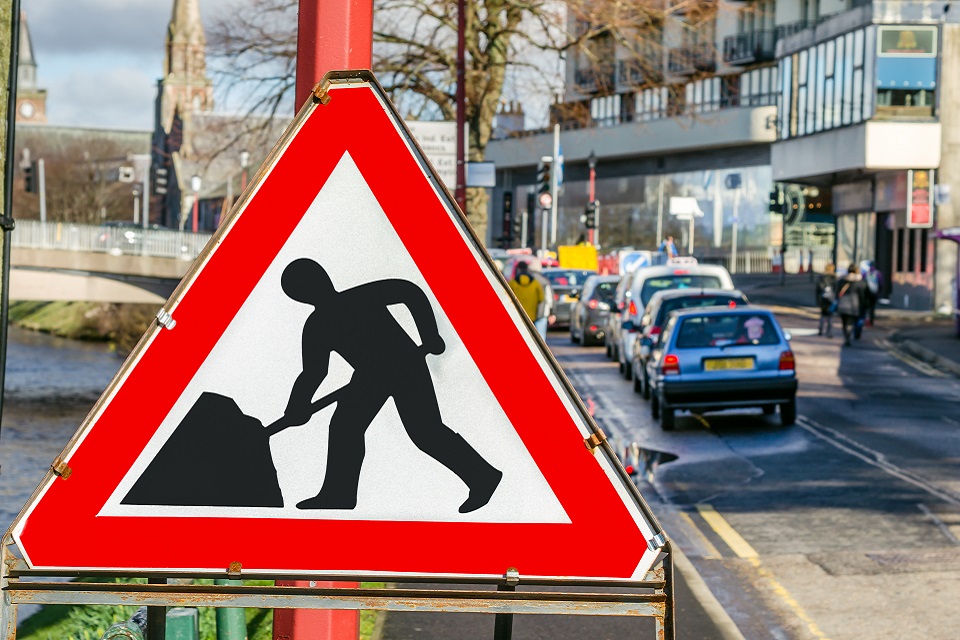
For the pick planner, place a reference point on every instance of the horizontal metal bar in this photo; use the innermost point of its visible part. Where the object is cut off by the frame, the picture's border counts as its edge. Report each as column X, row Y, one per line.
column 19, row 569
column 451, row 601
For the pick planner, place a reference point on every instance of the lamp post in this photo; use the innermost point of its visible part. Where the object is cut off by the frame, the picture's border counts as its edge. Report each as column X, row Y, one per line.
column 136, row 206
column 195, row 184
column 244, row 163
column 592, row 163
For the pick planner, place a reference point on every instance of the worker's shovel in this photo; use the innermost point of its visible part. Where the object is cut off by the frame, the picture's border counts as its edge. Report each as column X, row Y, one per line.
column 317, row 405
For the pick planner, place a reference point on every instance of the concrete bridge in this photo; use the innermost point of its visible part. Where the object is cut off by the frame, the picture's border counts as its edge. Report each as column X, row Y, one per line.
column 115, row 262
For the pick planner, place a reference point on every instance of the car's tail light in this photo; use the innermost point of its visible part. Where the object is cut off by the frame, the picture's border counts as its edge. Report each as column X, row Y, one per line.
column 671, row 364
column 620, row 306
column 654, row 331
column 629, row 469
column 787, row 362
column 632, row 310
column 593, row 304
column 732, row 304
column 681, row 272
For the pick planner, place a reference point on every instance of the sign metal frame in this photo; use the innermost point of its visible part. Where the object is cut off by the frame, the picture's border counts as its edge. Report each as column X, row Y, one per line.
column 20, row 584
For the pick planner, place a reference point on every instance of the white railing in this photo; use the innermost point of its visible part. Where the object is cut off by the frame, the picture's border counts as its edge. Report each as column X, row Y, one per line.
column 109, row 238
column 794, row 260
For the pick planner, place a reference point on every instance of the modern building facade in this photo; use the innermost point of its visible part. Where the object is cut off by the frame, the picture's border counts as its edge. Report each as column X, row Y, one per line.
column 803, row 97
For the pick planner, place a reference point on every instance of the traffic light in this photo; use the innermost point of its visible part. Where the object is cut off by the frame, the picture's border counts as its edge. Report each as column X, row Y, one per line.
column 545, row 182
column 30, row 177
column 591, row 216
column 160, row 180
column 777, row 201
column 507, row 234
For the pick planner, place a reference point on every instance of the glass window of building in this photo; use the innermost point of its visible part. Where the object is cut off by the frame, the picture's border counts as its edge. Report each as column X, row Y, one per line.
column 847, row 78
column 820, row 104
column 906, row 71
column 811, row 90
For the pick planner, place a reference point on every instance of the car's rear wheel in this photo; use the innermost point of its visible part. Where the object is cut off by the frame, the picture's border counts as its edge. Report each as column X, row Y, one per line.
column 667, row 418
column 655, row 406
column 788, row 413
column 646, row 384
column 573, row 337
column 637, row 383
column 627, row 371
column 768, row 409
column 608, row 349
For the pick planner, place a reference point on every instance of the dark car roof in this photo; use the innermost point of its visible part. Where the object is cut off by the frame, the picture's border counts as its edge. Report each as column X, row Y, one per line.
column 722, row 310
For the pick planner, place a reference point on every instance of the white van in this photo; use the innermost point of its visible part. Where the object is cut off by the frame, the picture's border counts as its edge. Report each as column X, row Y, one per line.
column 646, row 282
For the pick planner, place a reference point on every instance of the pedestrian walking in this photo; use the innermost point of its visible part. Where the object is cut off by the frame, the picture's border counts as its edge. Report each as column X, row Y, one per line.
column 873, row 278
column 669, row 247
column 535, row 294
column 850, row 304
column 827, row 300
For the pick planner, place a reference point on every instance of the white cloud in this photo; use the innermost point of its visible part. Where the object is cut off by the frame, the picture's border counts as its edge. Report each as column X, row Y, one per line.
column 100, row 59
column 118, row 97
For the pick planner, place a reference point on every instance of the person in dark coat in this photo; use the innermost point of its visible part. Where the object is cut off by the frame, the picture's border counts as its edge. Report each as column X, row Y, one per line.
column 850, row 303
column 826, row 300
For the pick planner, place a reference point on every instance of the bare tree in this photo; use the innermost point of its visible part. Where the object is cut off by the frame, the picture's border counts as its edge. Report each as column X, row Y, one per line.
column 513, row 47
column 81, row 181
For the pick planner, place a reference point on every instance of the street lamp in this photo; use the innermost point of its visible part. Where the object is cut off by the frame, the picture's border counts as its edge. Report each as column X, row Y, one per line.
column 592, row 163
column 195, row 184
column 244, row 163
column 136, row 206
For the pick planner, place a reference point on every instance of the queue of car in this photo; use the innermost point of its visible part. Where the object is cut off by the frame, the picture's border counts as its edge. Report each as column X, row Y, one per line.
column 688, row 340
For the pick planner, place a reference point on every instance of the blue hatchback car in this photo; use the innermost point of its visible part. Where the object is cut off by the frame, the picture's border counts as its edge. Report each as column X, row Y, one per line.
column 716, row 358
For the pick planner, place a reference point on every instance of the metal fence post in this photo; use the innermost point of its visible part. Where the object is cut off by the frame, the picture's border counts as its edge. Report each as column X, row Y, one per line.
column 156, row 616
column 231, row 623
column 503, row 622
column 183, row 623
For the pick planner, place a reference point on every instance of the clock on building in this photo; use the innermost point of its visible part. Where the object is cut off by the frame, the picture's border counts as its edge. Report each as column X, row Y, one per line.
column 27, row 110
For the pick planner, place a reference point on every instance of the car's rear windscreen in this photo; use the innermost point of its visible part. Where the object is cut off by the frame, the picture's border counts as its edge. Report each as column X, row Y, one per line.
column 726, row 330
column 676, row 281
column 605, row 291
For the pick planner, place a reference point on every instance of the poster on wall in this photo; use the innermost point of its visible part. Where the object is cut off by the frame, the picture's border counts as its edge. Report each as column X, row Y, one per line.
column 919, row 201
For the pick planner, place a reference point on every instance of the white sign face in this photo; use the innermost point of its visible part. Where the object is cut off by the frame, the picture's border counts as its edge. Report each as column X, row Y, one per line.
column 438, row 139
column 398, row 481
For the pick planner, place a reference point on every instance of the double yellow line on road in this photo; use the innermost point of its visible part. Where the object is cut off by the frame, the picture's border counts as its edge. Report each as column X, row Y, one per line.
column 744, row 550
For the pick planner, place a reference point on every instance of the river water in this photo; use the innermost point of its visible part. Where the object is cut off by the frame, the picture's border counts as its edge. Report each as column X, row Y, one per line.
column 51, row 385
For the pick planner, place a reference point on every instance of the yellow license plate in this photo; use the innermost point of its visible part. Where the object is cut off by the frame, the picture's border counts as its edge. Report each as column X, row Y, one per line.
column 720, row 364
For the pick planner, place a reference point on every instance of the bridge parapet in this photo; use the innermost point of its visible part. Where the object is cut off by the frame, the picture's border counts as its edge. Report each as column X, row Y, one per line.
column 115, row 239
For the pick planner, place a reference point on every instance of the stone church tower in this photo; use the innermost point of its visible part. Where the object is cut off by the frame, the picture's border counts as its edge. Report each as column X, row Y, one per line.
column 31, row 100
column 185, row 88
column 184, row 95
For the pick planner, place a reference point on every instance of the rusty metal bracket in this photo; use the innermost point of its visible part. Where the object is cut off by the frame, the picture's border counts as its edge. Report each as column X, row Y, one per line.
column 657, row 542
column 512, row 577
column 233, row 571
column 595, row 440
column 321, row 92
column 165, row 320
column 61, row 468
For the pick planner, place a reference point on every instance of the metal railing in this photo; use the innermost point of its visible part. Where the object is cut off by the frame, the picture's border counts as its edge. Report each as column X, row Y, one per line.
column 590, row 79
column 758, row 261
column 750, row 47
column 689, row 60
column 108, row 238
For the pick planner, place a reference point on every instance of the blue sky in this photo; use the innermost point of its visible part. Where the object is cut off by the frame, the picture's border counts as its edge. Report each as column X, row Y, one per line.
column 100, row 60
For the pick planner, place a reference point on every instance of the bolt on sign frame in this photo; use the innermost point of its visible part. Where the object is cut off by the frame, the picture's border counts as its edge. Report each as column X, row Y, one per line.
column 575, row 562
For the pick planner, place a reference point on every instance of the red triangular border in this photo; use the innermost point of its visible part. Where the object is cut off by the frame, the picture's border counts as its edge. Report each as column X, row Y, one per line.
column 61, row 528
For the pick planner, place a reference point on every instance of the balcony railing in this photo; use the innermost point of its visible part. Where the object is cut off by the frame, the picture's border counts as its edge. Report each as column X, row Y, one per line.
column 595, row 80
column 630, row 73
column 790, row 28
column 690, row 60
column 750, row 47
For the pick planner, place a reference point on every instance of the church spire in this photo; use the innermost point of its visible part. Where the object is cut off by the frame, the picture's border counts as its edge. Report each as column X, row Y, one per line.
column 186, row 87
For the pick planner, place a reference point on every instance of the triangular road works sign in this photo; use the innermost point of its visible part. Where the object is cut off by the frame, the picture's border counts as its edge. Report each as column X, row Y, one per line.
column 342, row 385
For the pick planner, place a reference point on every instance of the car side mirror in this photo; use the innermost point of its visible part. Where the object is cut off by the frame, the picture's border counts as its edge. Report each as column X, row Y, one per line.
column 627, row 325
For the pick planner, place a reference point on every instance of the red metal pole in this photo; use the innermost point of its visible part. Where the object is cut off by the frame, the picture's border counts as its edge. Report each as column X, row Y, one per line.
column 593, row 196
column 196, row 208
column 460, row 193
column 331, row 35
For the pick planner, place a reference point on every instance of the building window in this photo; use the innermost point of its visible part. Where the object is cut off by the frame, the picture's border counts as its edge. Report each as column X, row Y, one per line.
column 906, row 71
column 820, row 104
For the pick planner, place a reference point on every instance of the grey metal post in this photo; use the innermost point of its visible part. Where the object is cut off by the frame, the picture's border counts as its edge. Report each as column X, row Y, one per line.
column 503, row 622
column 524, row 229
column 42, row 186
column 156, row 616
column 555, row 184
column 736, row 227
column 660, row 215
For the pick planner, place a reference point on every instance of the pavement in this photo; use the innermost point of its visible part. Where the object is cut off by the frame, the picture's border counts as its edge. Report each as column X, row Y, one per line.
column 927, row 337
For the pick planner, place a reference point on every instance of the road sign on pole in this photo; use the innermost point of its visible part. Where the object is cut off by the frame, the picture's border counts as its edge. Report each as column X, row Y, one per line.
column 322, row 382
